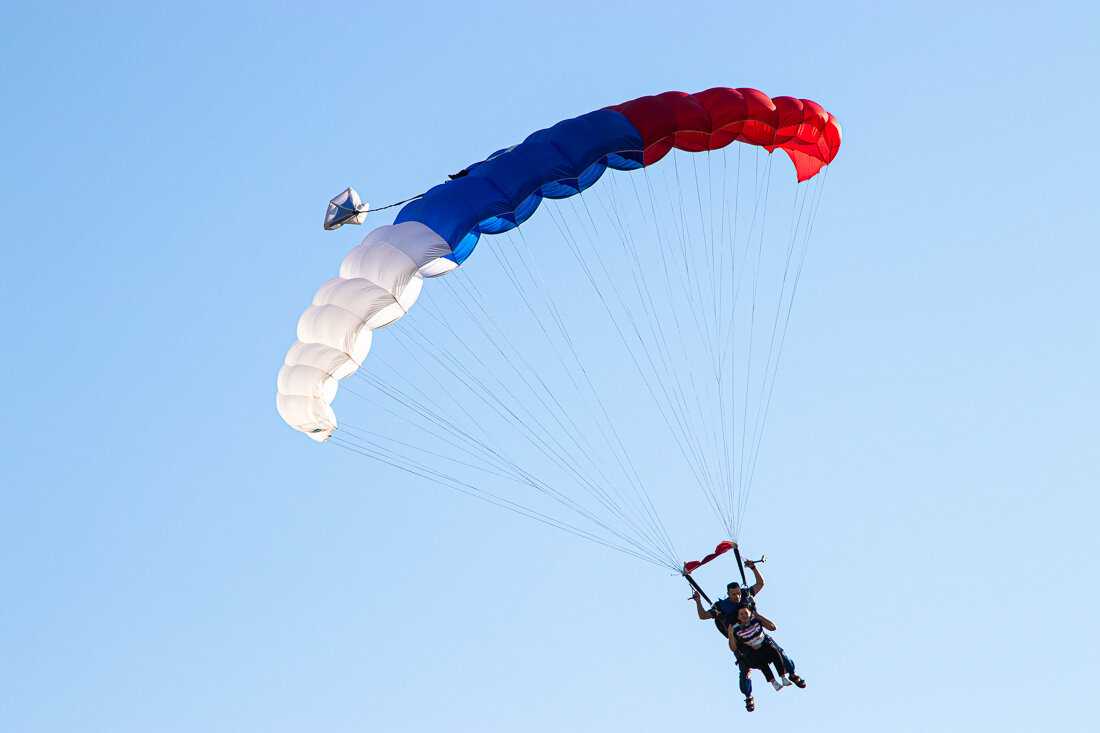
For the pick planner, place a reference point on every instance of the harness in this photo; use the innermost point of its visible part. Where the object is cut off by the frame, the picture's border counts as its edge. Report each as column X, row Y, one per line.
column 722, row 621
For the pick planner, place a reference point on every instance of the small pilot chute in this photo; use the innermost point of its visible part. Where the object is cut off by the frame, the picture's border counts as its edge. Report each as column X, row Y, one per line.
column 345, row 208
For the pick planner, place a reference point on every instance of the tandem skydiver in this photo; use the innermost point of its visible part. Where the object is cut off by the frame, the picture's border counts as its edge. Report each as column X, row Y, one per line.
column 724, row 613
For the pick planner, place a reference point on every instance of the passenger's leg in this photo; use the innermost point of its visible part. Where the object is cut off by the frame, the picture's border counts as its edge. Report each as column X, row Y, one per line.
column 743, row 680
column 789, row 664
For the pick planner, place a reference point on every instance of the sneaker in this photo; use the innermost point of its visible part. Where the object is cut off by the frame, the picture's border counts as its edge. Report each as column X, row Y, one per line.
column 777, row 684
column 798, row 681
column 750, row 705
column 786, row 682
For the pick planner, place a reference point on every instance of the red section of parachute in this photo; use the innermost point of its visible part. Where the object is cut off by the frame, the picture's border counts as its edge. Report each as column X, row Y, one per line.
column 717, row 117
column 723, row 547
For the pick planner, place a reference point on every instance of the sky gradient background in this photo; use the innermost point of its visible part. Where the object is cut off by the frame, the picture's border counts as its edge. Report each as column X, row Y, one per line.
column 174, row 558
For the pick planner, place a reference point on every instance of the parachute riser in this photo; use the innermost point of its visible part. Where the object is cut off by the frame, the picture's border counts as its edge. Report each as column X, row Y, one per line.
column 695, row 586
column 740, row 565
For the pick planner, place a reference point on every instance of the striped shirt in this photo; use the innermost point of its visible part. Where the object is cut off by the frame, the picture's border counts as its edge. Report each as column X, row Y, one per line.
column 751, row 634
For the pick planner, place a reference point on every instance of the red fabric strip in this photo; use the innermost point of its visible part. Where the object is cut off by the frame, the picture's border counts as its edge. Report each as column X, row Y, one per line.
column 723, row 547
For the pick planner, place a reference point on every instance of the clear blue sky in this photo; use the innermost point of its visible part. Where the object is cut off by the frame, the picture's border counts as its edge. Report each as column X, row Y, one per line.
column 174, row 558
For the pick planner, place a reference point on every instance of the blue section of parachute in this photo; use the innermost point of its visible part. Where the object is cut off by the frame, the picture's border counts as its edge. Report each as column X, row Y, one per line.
column 503, row 191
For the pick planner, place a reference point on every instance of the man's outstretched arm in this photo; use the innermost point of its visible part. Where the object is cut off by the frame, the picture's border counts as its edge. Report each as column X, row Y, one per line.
column 759, row 578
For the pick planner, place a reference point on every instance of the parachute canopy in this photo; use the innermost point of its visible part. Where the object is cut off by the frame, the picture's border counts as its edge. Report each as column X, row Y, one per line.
column 634, row 349
column 380, row 279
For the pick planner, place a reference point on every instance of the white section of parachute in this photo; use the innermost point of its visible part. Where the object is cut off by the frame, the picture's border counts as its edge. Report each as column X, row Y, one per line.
column 379, row 281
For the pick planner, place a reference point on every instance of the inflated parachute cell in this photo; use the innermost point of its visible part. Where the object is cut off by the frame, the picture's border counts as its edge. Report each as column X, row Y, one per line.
column 381, row 278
